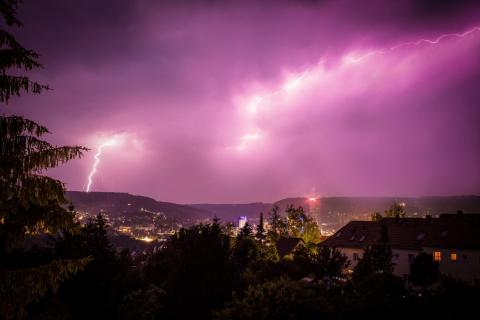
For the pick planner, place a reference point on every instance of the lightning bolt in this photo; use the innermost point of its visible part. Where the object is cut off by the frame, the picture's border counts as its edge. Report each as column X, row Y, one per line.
column 414, row 43
column 256, row 101
column 97, row 161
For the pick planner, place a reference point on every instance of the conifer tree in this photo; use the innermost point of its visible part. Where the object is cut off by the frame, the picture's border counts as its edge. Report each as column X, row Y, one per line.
column 260, row 231
column 30, row 202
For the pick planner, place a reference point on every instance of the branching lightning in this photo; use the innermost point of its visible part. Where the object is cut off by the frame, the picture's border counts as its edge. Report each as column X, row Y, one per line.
column 96, row 163
column 414, row 43
column 256, row 101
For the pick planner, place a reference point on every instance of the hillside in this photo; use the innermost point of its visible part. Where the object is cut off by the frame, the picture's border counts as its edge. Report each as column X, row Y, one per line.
column 117, row 204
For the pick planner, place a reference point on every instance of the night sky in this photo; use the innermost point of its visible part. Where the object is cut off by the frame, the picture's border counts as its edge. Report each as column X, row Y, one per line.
column 242, row 101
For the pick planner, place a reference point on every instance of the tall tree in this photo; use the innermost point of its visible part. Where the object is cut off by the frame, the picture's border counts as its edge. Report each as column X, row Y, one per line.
column 245, row 232
column 376, row 260
column 260, row 233
column 14, row 56
column 30, row 202
column 300, row 225
column 278, row 225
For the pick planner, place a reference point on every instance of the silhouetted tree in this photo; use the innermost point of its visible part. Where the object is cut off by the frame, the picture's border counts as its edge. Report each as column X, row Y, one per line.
column 424, row 271
column 276, row 299
column 195, row 270
column 30, row 203
column 396, row 210
column 377, row 259
column 104, row 282
column 260, row 233
column 278, row 225
column 245, row 232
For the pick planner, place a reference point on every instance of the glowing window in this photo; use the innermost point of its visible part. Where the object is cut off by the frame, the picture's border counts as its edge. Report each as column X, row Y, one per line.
column 437, row 255
column 453, row 256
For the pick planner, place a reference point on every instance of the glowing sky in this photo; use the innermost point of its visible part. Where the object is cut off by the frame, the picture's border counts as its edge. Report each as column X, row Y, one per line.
column 236, row 101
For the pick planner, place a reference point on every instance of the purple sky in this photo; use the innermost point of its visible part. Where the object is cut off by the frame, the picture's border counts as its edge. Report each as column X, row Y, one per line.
column 176, row 83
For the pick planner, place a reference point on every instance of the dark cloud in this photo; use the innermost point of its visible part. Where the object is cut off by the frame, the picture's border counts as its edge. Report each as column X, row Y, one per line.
column 173, row 80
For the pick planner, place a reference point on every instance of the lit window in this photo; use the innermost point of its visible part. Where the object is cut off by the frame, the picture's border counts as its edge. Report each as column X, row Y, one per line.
column 453, row 256
column 437, row 255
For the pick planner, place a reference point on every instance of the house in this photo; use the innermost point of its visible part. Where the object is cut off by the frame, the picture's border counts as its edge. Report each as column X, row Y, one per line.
column 452, row 239
column 286, row 246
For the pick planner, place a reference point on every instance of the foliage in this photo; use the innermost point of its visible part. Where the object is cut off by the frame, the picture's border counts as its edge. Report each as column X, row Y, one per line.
column 105, row 280
column 260, row 233
column 195, row 270
column 300, row 225
column 278, row 225
column 376, row 216
column 424, row 271
column 276, row 299
column 30, row 202
column 21, row 287
column 321, row 262
column 396, row 210
column 13, row 56
column 376, row 260
column 245, row 232
column 143, row 304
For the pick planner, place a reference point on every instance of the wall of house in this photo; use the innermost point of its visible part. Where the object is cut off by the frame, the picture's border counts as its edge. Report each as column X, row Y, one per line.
column 466, row 266
column 401, row 259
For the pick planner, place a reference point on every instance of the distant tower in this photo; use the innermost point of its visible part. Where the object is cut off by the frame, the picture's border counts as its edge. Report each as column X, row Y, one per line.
column 242, row 221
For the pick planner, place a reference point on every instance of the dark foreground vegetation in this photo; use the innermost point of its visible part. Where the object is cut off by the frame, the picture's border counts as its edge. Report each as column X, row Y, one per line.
column 204, row 272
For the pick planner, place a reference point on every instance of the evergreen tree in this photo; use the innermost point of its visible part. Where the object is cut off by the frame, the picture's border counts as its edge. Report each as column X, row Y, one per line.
column 278, row 225
column 15, row 57
column 245, row 232
column 30, row 202
column 376, row 260
column 260, row 233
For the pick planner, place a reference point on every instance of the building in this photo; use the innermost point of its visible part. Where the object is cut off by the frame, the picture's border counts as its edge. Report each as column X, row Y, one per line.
column 242, row 221
column 452, row 239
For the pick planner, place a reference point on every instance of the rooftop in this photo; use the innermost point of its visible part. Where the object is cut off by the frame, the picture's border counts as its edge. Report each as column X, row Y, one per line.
column 460, row 231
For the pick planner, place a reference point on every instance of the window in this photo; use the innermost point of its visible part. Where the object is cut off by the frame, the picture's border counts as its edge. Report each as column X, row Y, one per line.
column 355, row 256
column 465, row 257
column 437, row 256
column 453, row 256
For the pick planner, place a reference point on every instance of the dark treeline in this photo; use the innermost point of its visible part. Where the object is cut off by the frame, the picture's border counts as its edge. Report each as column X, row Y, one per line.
column 203, row 272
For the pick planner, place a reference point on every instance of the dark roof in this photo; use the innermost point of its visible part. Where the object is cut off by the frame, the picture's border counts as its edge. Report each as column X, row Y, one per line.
column 285, row 246
column 459, row 231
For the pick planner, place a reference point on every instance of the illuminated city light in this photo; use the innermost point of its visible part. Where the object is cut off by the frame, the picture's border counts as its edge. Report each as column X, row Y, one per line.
column 146, row 239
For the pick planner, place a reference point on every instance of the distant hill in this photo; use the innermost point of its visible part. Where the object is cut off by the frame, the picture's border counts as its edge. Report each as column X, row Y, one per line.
column 124, row 203
column 116, row 204
column 421, row 205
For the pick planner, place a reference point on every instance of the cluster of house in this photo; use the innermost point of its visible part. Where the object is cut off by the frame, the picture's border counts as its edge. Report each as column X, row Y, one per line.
column 453, row 240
